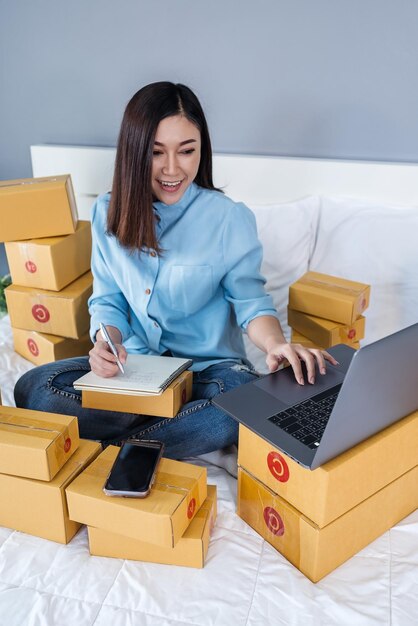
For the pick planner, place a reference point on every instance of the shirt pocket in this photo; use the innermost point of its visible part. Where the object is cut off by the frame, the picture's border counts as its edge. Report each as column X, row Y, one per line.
column 190, row 287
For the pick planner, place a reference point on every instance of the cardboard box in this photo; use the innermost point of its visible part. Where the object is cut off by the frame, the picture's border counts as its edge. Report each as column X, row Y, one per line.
column 332, row 489
column 332, row 298
column 161, row 518
column 40, row 508
column 296, row 337
column 40, row 348
column 63, row 313
column 166, row 404
column 37, row 207
column 35, row 444
column 317, row 551
column 190, row 550
column 325, row 332
column 50, row 263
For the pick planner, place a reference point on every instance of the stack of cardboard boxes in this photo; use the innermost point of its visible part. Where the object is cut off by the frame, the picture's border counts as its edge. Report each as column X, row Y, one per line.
column 318, row 519
column 171, row 525
column 40, row 454
column 49, row 254
column 51, row 482
column 325, row 310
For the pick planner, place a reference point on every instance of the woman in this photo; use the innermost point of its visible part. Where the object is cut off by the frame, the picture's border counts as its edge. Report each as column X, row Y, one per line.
column 176, row 268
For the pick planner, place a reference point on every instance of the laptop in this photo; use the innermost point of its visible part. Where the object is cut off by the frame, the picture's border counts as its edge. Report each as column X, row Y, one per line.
column 369, row 390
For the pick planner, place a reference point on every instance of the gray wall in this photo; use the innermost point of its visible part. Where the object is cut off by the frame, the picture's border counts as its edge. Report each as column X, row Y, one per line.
column 322, row 78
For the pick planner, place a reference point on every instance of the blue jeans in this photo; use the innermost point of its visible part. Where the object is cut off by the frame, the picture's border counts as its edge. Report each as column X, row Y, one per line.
column 197, row 429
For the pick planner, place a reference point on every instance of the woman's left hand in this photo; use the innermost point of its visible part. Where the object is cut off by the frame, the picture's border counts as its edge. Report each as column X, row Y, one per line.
column 295, row 353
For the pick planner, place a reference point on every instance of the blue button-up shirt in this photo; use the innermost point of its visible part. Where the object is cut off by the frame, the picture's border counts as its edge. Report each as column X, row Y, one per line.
column 198, row 295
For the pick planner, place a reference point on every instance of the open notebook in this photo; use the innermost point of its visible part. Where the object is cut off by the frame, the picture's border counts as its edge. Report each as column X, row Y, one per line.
column 145, row 374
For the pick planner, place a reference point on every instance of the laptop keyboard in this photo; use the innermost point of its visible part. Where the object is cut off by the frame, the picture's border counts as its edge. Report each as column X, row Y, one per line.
column 306, row 421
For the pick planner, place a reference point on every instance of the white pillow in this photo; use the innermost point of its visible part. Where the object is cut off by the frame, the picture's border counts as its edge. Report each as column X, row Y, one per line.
column 377, row 245
column 287, row 233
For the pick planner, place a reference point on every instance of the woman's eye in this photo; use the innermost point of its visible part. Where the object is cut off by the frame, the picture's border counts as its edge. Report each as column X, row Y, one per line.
column 188, row 151
column 156, row 152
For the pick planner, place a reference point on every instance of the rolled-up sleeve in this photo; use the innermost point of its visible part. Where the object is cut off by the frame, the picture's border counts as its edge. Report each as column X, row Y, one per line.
column 243, row 283
column 107, row 303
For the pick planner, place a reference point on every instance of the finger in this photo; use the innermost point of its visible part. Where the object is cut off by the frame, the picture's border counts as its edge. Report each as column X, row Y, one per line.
column 106, row 371
column 101, row 345
column 100, row 362
column 273, row 362
column 329, row 357
column 306, row 356
column 102, row 367
column 101, row 348
column 122, row 354
column 319, row 359
column 292, row 357
column 104, row 354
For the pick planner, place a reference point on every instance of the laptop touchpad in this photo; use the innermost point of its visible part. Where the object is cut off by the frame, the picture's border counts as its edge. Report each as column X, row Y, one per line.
column 283, row 386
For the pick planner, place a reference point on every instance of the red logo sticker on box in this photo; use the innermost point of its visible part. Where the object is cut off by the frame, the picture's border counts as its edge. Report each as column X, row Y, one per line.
column 351, row 333
column 278, row 467
column 273, row 521
column 67, row 444
column 33, row 348
column 40, row 313
column 191, row 508
column 31, row 267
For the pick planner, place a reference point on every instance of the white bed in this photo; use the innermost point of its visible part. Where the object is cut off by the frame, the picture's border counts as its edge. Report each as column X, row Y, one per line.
column 245, row 581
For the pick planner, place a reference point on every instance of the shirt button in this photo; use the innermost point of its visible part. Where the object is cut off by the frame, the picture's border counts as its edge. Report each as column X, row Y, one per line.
column 153, row 253
column 155, row 324
column 147, row 291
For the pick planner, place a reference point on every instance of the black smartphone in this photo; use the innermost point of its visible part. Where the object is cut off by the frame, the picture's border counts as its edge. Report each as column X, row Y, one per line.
column 133, row 471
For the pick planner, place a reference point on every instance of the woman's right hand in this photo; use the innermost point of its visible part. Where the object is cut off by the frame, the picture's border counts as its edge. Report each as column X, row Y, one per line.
column 103, row 361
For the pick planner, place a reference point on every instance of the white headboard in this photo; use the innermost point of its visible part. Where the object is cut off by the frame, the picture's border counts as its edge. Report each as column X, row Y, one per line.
column 250, row 179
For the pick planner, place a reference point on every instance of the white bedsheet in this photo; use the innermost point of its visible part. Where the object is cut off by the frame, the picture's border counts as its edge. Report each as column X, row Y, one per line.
column 12, row 365
column 244, row 582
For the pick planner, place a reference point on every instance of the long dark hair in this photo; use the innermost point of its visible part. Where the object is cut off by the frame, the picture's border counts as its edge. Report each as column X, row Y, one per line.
column 131, row 217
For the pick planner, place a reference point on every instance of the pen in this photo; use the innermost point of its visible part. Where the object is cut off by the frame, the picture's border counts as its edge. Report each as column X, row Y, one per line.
column 111, row 345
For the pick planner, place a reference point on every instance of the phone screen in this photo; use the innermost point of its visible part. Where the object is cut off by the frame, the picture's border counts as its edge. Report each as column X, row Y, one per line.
column 134, row 467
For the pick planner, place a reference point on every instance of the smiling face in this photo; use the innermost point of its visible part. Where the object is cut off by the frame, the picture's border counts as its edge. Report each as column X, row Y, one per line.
column 176, row 158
